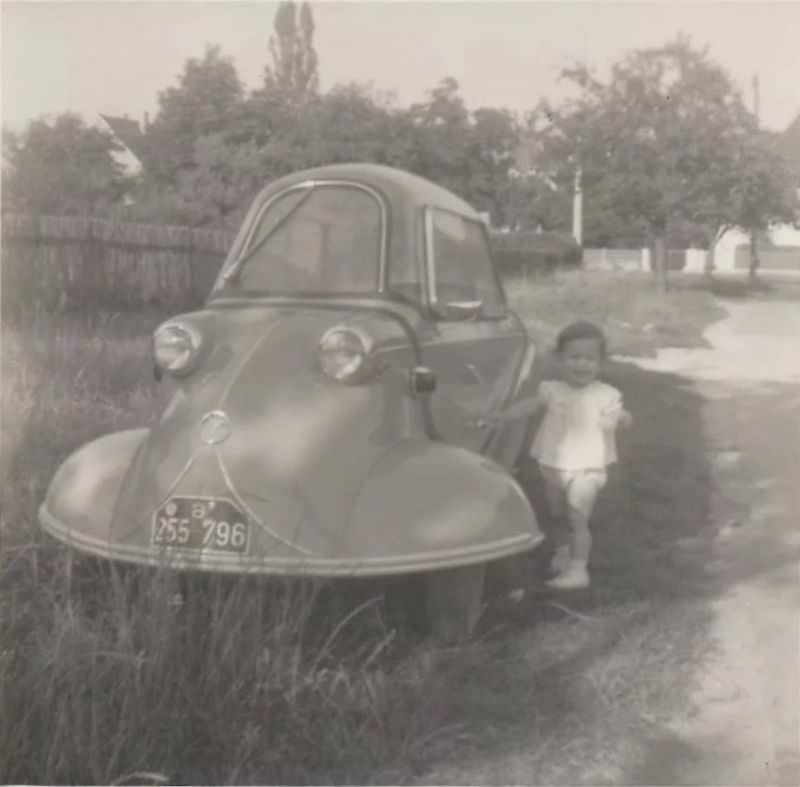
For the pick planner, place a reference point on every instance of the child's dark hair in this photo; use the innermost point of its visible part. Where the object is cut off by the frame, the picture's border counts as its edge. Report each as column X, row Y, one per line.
column 582, row 329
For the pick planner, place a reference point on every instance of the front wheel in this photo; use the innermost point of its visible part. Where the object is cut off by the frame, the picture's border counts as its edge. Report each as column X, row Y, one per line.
column 454, row 601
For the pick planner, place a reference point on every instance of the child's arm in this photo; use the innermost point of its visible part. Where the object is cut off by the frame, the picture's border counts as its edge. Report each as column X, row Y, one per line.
column 524, row 408
column 614, row 415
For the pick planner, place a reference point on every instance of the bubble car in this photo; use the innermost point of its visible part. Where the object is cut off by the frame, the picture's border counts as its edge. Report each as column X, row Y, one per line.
column 328, row 414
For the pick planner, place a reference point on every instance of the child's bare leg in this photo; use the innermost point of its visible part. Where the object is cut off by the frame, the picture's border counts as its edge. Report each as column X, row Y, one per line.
column 559, row 530
column 581, row 540
column 581, row 496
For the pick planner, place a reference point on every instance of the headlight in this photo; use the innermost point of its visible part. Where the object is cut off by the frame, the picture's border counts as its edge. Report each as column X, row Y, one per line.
column 344, row 354
column 175, row 347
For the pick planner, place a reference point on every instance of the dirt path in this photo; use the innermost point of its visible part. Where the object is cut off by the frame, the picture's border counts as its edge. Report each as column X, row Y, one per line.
column 745, row 726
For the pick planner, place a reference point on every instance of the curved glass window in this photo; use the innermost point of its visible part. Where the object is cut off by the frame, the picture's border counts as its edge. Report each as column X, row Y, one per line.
column 320, row 238
column 461, row 263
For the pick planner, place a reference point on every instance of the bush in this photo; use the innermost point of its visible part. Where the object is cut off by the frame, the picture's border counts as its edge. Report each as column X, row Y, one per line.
column 525, row 254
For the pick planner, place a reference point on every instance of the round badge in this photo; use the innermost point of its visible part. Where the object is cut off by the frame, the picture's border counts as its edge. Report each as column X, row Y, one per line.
column 215, row 427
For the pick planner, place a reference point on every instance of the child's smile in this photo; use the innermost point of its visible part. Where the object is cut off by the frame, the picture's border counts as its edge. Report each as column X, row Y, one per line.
column 581, row 360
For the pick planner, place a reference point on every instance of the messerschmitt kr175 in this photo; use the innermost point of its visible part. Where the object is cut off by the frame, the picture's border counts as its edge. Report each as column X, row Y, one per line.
column 328, row 414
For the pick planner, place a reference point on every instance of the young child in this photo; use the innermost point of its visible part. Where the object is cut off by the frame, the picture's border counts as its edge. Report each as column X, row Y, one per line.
column 574, row 445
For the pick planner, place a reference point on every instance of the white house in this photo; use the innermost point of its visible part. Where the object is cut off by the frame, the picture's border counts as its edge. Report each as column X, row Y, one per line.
column 780, row 250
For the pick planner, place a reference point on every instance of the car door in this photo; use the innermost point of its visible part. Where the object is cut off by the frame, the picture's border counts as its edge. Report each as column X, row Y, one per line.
column 472, row 343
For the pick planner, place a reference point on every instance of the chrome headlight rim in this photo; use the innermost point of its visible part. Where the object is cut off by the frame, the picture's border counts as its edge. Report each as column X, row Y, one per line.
column 341, row 340
column 183, row 341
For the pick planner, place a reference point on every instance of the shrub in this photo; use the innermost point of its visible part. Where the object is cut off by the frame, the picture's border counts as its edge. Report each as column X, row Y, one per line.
column 525, row 254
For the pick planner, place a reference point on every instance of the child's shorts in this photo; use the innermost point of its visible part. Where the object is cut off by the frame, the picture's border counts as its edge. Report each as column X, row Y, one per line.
column 580, row 487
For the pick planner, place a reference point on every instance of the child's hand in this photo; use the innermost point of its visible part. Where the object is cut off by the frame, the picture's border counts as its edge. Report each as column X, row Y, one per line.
column 610, row 416
column 487, row 420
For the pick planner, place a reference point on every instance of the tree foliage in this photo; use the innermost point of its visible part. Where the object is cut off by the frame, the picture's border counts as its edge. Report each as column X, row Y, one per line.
column 293, row 74
column 207, row 100
column 63, row 167
column 661, row 138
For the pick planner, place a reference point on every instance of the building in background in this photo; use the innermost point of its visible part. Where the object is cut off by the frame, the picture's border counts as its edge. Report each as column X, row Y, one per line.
column 779, row 249
column 129, row 136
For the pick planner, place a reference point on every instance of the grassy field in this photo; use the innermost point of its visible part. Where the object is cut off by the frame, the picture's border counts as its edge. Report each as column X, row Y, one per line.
column 636, row 318
column 108, row 676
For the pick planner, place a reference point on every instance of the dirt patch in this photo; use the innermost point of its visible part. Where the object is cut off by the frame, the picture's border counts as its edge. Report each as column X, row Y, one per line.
column 744, row 722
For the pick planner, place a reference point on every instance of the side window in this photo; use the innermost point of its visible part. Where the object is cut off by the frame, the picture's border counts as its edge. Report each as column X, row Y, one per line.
column 461, row 264
column 405, row 274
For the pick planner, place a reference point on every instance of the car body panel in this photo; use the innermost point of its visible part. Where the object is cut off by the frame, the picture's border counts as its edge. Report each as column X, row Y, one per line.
column 424, row 506
column 263, row 463
column 476, row 366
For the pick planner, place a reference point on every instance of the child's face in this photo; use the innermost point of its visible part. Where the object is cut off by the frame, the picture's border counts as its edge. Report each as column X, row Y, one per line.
column 581, row 360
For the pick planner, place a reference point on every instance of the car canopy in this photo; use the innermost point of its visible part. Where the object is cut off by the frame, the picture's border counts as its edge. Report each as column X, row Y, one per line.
column 403, row 196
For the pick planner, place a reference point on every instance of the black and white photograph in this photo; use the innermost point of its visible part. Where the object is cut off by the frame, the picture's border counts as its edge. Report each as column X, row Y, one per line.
column 400, row 393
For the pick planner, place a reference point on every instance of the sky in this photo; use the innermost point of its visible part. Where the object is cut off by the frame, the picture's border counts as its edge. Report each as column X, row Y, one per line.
column 115, row 57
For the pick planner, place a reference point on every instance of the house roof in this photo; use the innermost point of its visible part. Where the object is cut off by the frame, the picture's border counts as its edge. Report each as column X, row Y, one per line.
column 127, row 132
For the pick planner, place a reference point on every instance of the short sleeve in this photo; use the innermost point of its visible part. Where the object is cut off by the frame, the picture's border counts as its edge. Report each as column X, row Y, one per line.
column 614, row 398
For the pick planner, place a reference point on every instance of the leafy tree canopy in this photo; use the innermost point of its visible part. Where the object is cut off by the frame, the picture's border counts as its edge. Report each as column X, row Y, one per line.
column 62, row 167
column 207, row 98
column 293, row 72
column 661, row 137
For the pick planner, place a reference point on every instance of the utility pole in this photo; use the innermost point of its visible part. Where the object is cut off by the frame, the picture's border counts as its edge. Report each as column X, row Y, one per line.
column 754, row 260
column 756, row 99
column 577, row 207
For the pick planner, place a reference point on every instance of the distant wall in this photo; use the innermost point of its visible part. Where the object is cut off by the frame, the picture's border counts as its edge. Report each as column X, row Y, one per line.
column 616, row 259
column 785, row 258
column 51, row 262
column 781, row 253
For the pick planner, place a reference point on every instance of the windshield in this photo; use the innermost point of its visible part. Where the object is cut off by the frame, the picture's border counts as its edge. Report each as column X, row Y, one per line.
column 324, row 238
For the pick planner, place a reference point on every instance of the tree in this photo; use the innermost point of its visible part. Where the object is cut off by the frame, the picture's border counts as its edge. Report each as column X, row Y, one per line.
column 283, row 107
column 293, row 73
column 494, row 139
column 215, row 193
column 660, row 137
column 291, row 80
column 439, row 130
column 355, row 122
column 61, row 167
column 765, row 193
column 207, row 100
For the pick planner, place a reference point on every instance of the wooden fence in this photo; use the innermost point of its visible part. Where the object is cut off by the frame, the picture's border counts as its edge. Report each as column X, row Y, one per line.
column 55, row 262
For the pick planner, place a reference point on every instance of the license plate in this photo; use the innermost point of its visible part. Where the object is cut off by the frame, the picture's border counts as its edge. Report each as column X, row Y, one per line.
column 208, row 524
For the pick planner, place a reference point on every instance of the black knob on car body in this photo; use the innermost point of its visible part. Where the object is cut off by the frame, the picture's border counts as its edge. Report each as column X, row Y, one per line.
column 423, row 380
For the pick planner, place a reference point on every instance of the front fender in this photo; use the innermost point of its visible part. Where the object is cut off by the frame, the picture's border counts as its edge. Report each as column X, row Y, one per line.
column 431, row 505
column 422, row 506
column 81, row 498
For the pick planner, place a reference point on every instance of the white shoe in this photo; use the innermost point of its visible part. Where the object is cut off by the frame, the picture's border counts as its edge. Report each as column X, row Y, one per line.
column 561, row 561
column 574, row 578
column 516, row 595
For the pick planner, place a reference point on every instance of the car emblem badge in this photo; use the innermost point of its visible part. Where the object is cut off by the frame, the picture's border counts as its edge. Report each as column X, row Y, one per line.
column 215, row 428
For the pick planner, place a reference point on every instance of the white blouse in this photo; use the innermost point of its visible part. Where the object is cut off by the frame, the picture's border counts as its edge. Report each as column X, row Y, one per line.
column 577, row 432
